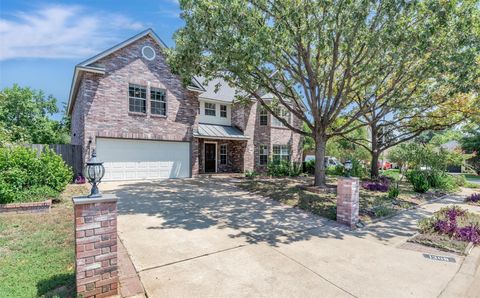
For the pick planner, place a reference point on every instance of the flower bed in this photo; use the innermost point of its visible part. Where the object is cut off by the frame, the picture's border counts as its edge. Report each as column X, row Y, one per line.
column 449, row 226
column 382, row 184
column 473, row 199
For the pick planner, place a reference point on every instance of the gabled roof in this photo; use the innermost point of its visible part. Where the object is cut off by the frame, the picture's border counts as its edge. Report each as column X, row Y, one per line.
column 90, row 66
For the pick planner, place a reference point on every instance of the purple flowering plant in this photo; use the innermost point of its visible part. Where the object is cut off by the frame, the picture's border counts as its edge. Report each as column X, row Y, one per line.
column 382, row 184
column 454, row 222
column 474, row 198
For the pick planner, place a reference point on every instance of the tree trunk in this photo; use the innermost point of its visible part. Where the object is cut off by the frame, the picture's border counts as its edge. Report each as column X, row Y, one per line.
column 374, row 151
column 320, row 149
column 374, row 167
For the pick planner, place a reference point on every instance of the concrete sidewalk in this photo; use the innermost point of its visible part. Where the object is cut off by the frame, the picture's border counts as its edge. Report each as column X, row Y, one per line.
column 209, row 238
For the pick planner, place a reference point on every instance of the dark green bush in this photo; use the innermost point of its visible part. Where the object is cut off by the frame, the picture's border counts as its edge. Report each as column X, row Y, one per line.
column 393, row 192
column 419, row 180
column 335, row 170
column 283, row 168
column 28, row 176
column 309, row 167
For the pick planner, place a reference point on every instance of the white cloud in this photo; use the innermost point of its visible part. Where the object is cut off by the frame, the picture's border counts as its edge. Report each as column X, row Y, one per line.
column 61, row 32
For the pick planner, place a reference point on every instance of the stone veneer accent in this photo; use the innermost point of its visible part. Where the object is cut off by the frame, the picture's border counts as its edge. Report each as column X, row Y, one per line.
column 348, row 201
column 101, row 107
column 96, row 246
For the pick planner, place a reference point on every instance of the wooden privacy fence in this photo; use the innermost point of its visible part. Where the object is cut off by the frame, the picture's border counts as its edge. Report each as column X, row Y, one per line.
column 71, row 154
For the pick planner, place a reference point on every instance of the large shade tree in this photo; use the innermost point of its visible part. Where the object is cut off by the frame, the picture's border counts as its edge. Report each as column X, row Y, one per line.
column 321, row 59
column 26, row 117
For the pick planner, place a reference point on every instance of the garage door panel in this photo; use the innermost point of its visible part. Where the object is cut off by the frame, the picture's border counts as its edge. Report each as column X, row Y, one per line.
column 134, row 159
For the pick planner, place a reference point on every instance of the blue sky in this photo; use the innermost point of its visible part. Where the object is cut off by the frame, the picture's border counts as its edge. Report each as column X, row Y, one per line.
column 42, row 41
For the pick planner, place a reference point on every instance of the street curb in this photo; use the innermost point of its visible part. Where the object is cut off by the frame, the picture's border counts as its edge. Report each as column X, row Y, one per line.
column 464, row 279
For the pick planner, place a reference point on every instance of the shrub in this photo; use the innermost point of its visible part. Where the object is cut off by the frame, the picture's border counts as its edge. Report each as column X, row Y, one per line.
column 283, row 168
column 28, row 176
column 460, row 180
column 251, row 174
column 357, row 169
column 419, row 180
column 393, row 192
column 309, row 167
column 335, row 170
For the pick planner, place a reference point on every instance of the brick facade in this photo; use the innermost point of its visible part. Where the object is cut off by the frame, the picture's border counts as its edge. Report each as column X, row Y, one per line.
column 348, row 201
column 235, row 155
column 96, row 246
column 101, row 109
column 246, row 118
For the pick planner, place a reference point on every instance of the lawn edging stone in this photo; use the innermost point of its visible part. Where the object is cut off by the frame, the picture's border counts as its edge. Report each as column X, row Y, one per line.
column 31, row 207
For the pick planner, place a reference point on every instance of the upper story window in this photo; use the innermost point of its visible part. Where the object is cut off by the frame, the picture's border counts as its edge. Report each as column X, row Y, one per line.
column 137, row 98
column 263, row 116
column 158, row 102
column 223, row 154
column 284, row 114
column 263, row 152
column 281, row 152
column 210, row 109
column 223, row 111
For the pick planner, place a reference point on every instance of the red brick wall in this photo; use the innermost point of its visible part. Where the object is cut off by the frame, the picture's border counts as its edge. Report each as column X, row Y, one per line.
column 348, row 201
column 96, row 248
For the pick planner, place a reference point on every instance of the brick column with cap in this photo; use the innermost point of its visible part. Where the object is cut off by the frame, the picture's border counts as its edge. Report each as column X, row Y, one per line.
column 96, row 246
column 348, row 201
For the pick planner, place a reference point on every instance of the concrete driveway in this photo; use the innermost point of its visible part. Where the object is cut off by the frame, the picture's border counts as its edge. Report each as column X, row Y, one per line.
column 208, row 238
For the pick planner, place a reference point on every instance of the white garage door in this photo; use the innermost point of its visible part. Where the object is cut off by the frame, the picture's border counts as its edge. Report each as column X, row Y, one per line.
column 135, row 159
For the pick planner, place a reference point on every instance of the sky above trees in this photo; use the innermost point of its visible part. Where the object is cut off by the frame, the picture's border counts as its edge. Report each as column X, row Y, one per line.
column 41, row 42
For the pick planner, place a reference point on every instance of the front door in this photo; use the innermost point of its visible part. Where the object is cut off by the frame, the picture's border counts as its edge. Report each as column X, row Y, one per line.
column 210, row 157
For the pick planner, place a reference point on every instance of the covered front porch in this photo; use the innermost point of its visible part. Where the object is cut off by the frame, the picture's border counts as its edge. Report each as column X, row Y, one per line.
column 221, row 149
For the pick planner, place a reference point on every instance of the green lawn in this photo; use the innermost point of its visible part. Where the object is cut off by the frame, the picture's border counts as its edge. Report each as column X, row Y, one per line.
column 37, row 251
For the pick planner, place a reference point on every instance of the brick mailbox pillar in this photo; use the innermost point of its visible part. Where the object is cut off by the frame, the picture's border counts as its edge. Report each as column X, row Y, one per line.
column 96, row 246
column 348, row 201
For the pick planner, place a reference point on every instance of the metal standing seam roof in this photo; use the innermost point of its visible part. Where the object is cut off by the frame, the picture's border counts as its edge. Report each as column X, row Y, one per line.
column 219, row 132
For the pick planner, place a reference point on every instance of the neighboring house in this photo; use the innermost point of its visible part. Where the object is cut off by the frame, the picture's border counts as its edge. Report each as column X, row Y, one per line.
column 145, row 124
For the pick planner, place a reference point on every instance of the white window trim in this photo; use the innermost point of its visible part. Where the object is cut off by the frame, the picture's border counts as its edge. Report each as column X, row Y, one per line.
column 216, row 155
column 226, row 154
column 226, row 111
column 214, row 109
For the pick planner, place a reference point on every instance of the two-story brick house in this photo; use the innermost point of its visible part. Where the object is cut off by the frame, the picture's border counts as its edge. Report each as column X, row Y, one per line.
column 144, row 124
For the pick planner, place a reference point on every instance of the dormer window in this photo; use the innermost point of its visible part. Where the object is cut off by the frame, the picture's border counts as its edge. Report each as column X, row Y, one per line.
column 223, row 111
column 210, row 109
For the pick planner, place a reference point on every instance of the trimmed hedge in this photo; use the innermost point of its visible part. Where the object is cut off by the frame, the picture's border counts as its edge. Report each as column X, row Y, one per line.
column 26, row 176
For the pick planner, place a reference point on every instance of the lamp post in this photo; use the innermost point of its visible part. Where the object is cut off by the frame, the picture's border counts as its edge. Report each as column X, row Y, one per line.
column 94, row 172
column 348, row 167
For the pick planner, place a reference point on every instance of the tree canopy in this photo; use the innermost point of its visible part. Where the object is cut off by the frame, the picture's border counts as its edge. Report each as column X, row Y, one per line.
column 25, row 117
column 329, row 59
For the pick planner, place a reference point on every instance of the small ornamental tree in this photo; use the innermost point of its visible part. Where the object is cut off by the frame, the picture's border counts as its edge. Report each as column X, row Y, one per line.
column 322, row 60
